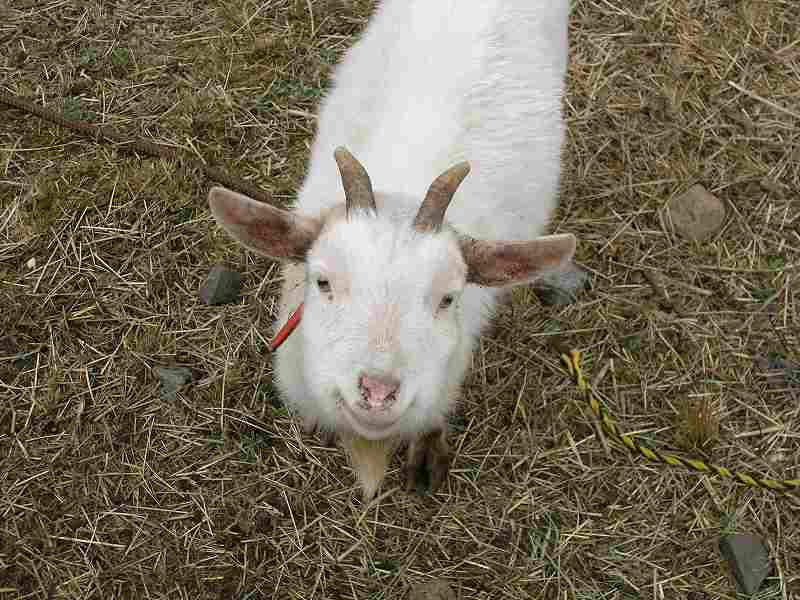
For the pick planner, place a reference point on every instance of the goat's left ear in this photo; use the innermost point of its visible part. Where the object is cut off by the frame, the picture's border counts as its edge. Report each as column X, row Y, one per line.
column 268, row 230
column 500, row 264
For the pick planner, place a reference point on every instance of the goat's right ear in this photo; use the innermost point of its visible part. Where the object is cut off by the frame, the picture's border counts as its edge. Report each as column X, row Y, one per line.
column 273, row 232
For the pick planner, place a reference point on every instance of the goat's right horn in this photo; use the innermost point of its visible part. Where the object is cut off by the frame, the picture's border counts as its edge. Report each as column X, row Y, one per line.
column 357, row 186
column 431, row 213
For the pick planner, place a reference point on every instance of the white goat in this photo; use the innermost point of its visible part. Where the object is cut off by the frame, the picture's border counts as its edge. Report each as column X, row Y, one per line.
column 394, row 298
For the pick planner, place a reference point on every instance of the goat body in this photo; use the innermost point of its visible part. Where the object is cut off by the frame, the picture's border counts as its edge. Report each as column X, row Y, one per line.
column 394, row 297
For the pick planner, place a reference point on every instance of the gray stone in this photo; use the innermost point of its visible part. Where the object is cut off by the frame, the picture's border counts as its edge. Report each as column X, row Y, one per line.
column 748, row 558
column 438, row 589
column 697, row 214
column 172, row 379
column 562, row 287
column 23, row 361
column 779, row 371
column 26, row 362
column 222, row 286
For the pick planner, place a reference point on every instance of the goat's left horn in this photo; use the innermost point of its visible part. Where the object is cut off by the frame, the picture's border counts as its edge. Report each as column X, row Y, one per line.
column 357, row 186
column 431, row 213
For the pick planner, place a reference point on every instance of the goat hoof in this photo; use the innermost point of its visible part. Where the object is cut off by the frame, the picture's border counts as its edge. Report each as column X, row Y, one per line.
column 427, row 464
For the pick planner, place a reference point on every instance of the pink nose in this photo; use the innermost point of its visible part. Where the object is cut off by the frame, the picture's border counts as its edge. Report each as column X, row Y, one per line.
column 378, row 391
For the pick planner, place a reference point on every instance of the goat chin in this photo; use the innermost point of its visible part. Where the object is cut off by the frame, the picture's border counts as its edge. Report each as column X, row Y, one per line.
column 369, row 460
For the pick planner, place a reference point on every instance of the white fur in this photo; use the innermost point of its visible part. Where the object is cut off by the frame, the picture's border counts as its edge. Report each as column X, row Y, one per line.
column 434, row 82
column 431, row 83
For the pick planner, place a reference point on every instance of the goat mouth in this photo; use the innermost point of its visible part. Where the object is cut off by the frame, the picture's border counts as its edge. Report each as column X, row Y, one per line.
column 367, row 430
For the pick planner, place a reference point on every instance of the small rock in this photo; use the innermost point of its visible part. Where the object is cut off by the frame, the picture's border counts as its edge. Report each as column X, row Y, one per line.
column 9, row 346
column 222, row 286
column 31, row 264
column 263, row 521
column 779, row 371
column 748, row 558
column 172, row 379
column 561, row 288
column 697, row 214
column 25, row 362
column 438, row 589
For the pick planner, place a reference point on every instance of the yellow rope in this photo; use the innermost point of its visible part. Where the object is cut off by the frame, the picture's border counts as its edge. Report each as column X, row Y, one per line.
column 573, row 362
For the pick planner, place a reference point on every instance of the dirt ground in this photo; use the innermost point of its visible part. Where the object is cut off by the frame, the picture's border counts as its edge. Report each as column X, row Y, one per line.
column 109, row 490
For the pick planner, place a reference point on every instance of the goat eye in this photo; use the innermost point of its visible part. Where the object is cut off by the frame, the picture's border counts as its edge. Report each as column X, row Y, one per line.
column 324, row 285
column 446, row 302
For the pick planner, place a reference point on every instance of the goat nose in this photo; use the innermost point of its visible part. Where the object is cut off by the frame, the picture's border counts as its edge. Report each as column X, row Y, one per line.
column 378, row 391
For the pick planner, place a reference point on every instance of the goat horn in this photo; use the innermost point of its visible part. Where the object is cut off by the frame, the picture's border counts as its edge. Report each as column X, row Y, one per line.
column 431, row 213
column 357, row 186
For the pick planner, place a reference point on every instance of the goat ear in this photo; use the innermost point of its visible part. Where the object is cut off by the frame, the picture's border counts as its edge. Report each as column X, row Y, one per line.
column 271, row 231
column 500, row 264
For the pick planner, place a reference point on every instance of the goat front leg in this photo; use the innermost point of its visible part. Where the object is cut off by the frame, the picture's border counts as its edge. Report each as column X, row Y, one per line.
column 427, row 462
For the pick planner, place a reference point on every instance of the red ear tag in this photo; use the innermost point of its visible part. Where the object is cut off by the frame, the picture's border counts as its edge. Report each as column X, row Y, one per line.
column 286, row 330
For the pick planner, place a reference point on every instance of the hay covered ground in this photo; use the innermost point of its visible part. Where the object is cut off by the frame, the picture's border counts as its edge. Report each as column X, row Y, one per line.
column 108, row 490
